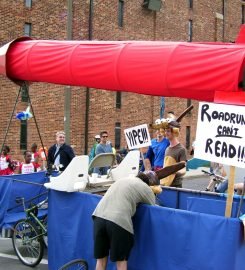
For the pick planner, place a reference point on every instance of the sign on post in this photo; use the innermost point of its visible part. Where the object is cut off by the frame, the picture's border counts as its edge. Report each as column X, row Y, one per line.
column 220, row 134
column 137, row 136
column 220, row 138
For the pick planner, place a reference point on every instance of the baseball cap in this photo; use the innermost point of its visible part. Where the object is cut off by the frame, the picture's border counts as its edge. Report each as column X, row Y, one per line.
column 97, row 136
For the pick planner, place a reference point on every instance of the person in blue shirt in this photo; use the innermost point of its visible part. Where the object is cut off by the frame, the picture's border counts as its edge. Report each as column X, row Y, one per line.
column 93, row 149
column 156, row 152
column 102, row 147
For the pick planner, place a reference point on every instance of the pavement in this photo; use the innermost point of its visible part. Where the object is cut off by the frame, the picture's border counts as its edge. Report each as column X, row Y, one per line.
column 9, row 260
column 239, row 173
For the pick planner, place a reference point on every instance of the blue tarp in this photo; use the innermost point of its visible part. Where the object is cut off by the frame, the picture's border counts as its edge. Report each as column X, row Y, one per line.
column 165, row 238
column 173, row 237
column 21, row 185
column 5, row 191
column 180, row 199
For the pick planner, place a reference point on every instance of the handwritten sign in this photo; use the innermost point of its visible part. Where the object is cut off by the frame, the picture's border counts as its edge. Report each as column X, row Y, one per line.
column 137, row 137
column 220, row 134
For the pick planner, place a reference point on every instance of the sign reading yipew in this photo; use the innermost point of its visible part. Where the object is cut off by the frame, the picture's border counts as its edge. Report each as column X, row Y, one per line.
column 137, row 137
column 220, row 134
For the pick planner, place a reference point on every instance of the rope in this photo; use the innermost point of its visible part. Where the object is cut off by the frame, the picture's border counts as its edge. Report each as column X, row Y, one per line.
column 20, row 181
column 33, row 113
column 12, row 114
column 6, row 133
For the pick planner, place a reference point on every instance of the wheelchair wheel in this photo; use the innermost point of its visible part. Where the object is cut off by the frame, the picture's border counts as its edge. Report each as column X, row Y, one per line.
column 27, row 243
column 77, row 264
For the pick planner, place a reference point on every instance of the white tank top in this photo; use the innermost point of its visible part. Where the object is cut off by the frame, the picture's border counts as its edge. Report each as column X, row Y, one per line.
column 27, row 168
column 3, row 163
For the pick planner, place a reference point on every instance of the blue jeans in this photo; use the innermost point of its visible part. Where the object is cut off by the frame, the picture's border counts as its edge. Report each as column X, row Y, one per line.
column 101, row 170
column 222, row 187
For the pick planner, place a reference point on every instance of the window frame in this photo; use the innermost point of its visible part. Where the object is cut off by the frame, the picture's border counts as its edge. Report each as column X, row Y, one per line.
column 23, row 135
column 117, row 135
column 24, row 93
column 27, row 29
column 28, row 3
column 190, row 30
column 120, row 13
column 118, row 99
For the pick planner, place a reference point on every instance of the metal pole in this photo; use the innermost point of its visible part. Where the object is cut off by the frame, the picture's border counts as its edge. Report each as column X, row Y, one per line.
column 223, row 10
column 90, row 37
column 67, row 89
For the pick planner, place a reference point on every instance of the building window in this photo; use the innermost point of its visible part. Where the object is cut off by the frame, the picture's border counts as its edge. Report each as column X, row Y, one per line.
column 190, row 31
column 24, row 93
column 118, row 99
column 120, row 12
column 190, row 4
column 23, row 134
column 188, row 104
column 28, row 3
column 243, row 13
column 117, row 135
column 27, row 29
column 188, row 137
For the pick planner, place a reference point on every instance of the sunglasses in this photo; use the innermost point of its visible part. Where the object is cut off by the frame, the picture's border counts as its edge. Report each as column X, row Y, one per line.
column 104, row 136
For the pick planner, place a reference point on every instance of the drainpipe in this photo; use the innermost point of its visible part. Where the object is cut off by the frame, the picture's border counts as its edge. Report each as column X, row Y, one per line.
column 223, row 11
column 90, row 37
column 90, row 20
column 67, row 109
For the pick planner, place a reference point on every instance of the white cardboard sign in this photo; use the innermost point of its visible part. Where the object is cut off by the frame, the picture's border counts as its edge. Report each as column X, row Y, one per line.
column 220, row 134
column 137, row 136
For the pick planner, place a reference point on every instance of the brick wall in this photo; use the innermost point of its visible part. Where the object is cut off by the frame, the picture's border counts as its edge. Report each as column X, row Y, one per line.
column 49, row 21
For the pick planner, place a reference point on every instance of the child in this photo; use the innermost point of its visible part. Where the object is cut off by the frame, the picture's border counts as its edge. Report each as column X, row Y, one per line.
column 34, row 153
column 6, row 165
column 218, row 169
column 28, row 166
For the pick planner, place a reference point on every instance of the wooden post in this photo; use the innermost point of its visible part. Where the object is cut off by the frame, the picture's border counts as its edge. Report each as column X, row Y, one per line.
column 230, row 192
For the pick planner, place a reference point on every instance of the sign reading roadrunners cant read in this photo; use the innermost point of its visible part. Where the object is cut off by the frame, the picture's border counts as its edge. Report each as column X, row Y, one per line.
column 220, row 134
column 137, row 137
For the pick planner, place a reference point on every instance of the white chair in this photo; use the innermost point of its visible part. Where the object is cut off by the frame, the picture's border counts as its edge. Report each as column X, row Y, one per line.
column 73, row 178
column 128, row 166
column 102, row 160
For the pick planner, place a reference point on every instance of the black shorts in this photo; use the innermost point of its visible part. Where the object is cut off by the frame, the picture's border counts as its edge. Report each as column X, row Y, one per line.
column 109, row 237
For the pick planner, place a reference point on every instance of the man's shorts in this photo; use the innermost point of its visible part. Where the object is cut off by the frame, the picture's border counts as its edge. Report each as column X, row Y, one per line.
column 109, row 237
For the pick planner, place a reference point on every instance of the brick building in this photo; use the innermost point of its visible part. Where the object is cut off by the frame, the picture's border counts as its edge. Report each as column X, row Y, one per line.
column 84, row 112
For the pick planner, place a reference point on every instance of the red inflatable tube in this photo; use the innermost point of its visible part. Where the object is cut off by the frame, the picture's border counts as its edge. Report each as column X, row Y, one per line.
column 207, row 72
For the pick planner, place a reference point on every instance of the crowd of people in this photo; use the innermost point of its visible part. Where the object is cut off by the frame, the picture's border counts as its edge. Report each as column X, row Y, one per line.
column 165, row 150
column 57, row 157
column 29, row 164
